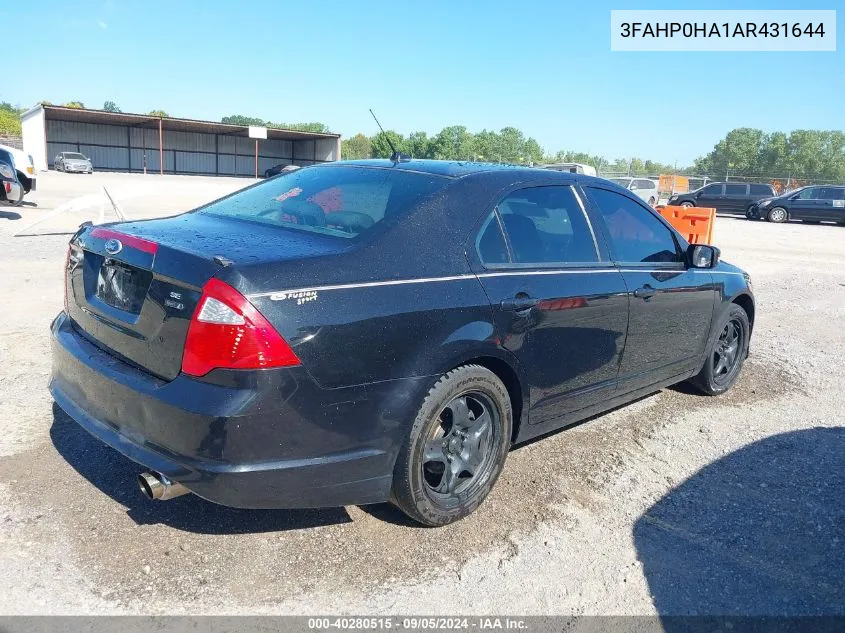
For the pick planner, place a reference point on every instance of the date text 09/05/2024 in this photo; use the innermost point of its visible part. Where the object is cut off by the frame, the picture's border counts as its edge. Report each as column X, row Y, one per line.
column 417, row 623
column 725, row 30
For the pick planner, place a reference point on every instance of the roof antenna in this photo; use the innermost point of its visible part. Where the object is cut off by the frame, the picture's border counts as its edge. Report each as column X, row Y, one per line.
column 396, row 157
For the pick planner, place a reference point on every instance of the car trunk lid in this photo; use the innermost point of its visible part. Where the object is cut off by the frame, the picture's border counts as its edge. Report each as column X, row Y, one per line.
column 132, row 288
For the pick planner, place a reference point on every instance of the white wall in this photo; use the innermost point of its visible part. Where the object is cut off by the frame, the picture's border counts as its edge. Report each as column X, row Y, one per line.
column 35, row 136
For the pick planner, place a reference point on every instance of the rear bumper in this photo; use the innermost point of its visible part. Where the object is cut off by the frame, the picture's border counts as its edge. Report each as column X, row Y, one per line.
column 269, row 439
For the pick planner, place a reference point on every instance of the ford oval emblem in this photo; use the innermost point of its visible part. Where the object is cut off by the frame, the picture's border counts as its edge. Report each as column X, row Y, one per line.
column 113, row 247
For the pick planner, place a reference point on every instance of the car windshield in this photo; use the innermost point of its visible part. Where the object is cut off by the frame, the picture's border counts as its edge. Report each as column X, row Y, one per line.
column 341, row 201
column 74, row 156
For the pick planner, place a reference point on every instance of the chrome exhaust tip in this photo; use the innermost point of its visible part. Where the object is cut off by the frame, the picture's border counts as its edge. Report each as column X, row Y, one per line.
column 159, row 488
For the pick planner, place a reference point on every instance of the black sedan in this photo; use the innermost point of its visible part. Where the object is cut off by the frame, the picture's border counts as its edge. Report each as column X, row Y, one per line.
column 359, row 332
column 810, row 204
column 281, row 168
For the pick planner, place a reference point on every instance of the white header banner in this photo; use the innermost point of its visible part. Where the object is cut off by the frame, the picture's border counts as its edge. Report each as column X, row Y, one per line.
column 717, row 30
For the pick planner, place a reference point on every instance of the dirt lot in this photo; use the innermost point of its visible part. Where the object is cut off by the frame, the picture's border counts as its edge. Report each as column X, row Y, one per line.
column 675, row 504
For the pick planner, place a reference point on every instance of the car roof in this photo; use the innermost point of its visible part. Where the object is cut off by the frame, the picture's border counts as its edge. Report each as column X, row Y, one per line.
column 461, row 169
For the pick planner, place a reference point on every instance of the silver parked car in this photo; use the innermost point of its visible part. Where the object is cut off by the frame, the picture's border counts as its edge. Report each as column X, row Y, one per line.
column 73, row 161
column 645, row 188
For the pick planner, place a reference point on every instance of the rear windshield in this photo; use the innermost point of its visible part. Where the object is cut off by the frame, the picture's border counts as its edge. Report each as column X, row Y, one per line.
column 341, row 201
column 74, row 156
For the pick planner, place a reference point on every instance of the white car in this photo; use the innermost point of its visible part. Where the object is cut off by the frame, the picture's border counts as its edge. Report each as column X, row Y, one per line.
column 24, row 166
column 645, row 188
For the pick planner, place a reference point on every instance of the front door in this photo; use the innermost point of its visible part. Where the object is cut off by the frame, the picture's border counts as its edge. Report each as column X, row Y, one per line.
column 671, row 306
column 736, row 198
column 711, row 196
column 560, row 306
column 805, row 205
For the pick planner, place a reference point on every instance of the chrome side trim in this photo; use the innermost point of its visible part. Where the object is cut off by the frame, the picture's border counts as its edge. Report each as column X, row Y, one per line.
column 275, row 295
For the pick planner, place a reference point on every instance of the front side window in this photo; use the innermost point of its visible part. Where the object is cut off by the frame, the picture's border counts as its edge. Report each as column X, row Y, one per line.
column 810, row 193
column 645, row 184
column 331, row 200
column 543, row 225
column 635, row 234
column 712, row 190
column 735, row 190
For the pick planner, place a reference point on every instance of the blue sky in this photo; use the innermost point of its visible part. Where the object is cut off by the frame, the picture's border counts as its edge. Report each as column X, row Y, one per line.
column 543, row 67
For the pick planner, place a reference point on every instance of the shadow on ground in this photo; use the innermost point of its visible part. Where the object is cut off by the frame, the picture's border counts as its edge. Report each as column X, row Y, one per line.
column 114, row 475
column 758, row 532
column 9, row 215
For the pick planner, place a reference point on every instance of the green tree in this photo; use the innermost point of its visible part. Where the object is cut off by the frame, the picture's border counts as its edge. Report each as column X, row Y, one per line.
column 318, row 128
column 418, row 145
column 239, row 119
column 75, row 104
column 381, row 148
column 110, row 106
column 159, row 113
column 453, row 143
column 356, row 147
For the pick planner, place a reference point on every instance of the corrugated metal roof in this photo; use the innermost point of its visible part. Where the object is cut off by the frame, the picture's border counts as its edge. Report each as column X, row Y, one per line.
column 60, row 113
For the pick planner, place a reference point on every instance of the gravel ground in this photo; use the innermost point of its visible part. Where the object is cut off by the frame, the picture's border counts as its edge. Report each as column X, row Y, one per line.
column 675, row 504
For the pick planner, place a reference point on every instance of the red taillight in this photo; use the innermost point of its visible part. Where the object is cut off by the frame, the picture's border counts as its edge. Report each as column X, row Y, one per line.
column 227, row 331
column 127, row 240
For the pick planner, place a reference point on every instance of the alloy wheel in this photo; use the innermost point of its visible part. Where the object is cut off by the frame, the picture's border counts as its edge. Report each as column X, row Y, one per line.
column 726, row 354
column 459, row 453
column 777, row 215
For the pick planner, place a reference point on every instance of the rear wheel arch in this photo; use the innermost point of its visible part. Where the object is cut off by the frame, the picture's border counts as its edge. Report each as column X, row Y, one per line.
column 509, row 376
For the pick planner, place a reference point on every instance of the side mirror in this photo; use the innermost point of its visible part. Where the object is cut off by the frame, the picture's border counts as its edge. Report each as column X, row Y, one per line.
column 703, row 256
column 698, row 195
column 633, row 188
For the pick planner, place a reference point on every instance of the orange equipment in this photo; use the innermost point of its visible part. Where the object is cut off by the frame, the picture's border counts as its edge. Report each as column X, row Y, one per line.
column 694, row 223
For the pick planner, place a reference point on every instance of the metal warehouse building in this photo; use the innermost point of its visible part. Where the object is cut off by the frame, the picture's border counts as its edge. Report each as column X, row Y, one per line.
column 116, row 141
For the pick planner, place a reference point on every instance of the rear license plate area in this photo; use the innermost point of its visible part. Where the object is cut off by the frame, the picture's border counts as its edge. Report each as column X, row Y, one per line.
column 121, row 286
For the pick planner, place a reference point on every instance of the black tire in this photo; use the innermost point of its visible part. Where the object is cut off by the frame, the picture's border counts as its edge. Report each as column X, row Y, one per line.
column 442, row 474
column 686, row 204
column 267, row 173
column 777, row 215
column 749, row 213
column 715, row 377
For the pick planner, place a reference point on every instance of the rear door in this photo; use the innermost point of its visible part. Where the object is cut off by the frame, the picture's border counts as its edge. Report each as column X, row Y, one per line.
column 711, row 196
column 735, row 199
column 671, row 307
column 832, row 204
column 560, row 305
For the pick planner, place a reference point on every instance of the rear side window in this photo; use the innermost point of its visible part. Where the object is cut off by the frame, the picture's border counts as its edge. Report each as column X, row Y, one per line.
column 736, row 190
column 332, row 200
column 543, row 225
column 832, row 193
column 635, row 234
column 761, row 190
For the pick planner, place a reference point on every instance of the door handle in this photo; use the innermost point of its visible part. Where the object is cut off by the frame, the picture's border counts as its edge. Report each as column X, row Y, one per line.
column 520, row 303
column 646, row 292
